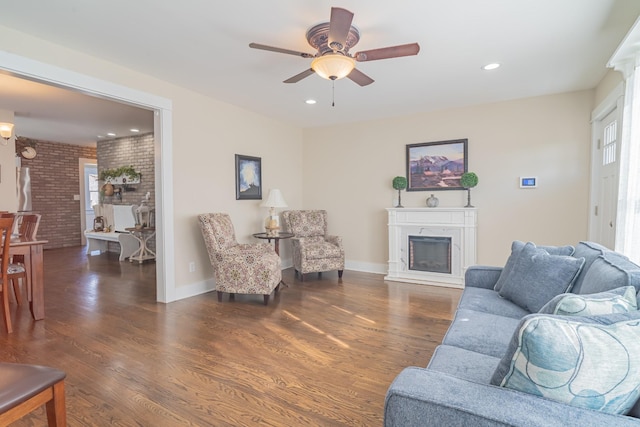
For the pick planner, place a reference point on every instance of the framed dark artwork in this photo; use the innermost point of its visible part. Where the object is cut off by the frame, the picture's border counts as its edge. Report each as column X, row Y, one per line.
column 248, row 178
column 433, row 166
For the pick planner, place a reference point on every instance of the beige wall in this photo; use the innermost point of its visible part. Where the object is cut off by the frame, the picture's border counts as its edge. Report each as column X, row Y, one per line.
column 348, row 171
column 8, row 198
column 608, row 83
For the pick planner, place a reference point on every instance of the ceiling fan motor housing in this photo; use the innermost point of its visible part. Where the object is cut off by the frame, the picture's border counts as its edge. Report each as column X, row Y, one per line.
column 318, row 37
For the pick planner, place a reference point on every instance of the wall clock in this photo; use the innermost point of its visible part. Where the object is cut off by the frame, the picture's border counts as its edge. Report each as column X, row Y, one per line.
column 28, row 153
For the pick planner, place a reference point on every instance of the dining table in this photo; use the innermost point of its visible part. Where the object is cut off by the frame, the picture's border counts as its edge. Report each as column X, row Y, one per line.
column 32, row 250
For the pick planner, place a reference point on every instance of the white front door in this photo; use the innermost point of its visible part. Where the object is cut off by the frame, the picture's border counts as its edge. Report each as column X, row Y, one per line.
column 605, row 178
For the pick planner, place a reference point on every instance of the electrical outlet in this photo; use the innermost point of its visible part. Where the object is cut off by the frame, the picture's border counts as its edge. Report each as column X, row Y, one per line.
column 192, row 267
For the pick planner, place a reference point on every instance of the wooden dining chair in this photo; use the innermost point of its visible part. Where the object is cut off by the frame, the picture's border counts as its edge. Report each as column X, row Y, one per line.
column 6, row 225
column 29, row 224
column 17, row 271
column 24, row 388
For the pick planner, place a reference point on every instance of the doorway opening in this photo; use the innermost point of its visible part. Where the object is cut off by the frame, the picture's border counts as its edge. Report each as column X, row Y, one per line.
column 48, row 74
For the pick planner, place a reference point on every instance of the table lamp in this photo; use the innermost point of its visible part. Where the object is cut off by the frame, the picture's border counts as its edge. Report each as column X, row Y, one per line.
column 272, row 222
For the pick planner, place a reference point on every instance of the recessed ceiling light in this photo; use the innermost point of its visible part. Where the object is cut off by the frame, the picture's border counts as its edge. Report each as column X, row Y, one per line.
column 100, row 136
column 491, row 66
column 111, row 134
column 134, row 130
column 310, row 101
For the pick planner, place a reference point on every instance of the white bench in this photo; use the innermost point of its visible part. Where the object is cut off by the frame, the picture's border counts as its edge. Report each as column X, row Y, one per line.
column 99, row 241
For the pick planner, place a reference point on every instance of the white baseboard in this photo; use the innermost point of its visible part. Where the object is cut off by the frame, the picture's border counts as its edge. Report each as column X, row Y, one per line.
column 366, row 267
column 194, row 289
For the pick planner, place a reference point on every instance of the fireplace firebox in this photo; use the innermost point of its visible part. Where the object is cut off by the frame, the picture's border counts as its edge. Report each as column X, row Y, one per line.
column 429, row 253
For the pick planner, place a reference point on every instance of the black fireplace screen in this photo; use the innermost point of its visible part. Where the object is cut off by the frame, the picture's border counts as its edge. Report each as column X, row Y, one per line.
column 427, row 253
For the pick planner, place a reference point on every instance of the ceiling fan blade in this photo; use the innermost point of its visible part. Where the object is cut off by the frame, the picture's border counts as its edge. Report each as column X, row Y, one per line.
column 359, row 77
column 388, row 52
column 339, row 27
column 280, row 50
column 298, row 77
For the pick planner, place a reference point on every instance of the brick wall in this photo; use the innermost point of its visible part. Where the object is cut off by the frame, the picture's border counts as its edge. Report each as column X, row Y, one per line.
column 55, row 179
column 136, row 151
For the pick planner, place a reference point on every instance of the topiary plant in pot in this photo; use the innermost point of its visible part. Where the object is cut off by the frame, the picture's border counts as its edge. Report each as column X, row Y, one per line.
column 399, row 183
column 468, row 180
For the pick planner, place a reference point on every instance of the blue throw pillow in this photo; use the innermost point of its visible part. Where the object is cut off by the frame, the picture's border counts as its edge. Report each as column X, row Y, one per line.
column 589, row 251
column 610, row 270
column 516, row 247
column 620, row 300
column 590, row 362
column 537, row 277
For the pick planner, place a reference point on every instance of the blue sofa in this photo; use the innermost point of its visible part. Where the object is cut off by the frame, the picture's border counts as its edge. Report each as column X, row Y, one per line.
column 455, row 388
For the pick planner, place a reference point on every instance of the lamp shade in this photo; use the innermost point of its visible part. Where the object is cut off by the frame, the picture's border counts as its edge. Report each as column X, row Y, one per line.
column 6, row 129
column 333, row 66
column 6, row 124
column 275, row 200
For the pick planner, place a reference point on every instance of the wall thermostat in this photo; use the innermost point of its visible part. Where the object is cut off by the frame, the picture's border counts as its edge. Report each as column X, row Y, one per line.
column 528, row 181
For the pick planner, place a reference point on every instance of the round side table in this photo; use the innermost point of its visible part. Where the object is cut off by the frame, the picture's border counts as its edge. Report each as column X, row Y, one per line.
column 276, row 238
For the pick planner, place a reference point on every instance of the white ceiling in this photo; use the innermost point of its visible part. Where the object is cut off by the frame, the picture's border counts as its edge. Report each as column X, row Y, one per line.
column 544, row 46
column 53, row 114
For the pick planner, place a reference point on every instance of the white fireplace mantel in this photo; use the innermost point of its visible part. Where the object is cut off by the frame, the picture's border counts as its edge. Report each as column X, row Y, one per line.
column 459, row 224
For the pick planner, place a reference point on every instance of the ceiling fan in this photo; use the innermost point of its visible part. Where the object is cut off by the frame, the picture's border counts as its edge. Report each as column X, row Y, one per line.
column 333, row 40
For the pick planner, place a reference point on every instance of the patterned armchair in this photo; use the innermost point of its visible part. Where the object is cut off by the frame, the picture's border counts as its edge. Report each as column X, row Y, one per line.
column 313, row 250
column 239, row 268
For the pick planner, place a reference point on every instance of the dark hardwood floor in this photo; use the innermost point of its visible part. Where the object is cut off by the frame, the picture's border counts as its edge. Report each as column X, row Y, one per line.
column 322, row 353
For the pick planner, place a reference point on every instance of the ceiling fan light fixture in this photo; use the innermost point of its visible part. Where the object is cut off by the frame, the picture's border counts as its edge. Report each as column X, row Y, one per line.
column 333, row 66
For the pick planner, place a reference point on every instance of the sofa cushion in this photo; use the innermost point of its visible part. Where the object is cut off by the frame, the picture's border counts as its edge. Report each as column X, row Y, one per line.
column 483, row 333
column 537, row 277
column 463, row 363
column 620, row 300
column 589, row 251
column 516, row 247
column 489, row 301
column 609, row 271
column 589, row 362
